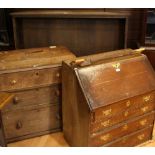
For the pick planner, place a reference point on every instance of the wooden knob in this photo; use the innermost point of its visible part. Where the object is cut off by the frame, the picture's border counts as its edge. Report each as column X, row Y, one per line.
column 19, row 125
column 58, row 117
column 15, row 100
column 13, row 82
column 57, row 74
column 57, row 93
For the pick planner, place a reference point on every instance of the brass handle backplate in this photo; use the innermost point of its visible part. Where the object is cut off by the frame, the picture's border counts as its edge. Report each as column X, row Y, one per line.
column 105, row 123
column 143, row 122
column 107, row 112
column 144, row 109
column 141, row 137
column 105, row 137
column 146, row 98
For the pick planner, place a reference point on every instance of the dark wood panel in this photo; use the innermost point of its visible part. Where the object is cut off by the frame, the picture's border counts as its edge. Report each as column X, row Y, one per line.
column 135, row 24
column 82, row 36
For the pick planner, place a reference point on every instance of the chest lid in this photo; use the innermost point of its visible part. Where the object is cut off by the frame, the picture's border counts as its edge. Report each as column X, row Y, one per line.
column 5, row 98
column 111, row 80
column 34, row 58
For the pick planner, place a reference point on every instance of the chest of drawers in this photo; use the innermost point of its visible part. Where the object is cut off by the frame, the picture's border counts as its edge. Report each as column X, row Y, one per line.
column 34, row 77
column 111, row 100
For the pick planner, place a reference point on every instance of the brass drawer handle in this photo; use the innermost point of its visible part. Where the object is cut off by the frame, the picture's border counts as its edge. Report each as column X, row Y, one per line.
column 143, row 122
column 128, row 103
column 105, row 137
column 146, row 98
column 107, row 112
column 19, row 125
column 117, row 67
column 125, row 127
column 126, row 113
column 105, row 123
column 141, row 137
column 144, row 109
column 16, row 100
column 13, row 82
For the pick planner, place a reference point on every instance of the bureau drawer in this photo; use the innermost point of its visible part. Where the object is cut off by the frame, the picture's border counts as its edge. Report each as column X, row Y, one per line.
column 37, row 96
column 22, row 123
column 30, row 79
column 133, row 139
column 125, row 115
column 113, row 133
column 118, row 107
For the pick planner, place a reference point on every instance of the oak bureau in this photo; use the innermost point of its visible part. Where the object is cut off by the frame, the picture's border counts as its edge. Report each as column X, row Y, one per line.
column 111, row 99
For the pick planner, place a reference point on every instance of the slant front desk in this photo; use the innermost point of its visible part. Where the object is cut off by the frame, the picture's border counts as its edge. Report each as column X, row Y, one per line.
column 82, row 31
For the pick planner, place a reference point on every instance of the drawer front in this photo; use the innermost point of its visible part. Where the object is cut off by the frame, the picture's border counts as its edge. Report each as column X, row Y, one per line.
column 21, row 123
column 30, row 79
column 123, row 129
column 116, row 108
column 38, row 96
column 125, row 115
column 133, row 139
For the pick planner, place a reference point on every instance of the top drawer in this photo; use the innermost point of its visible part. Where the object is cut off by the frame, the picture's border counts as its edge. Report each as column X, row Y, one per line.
column 30, row 79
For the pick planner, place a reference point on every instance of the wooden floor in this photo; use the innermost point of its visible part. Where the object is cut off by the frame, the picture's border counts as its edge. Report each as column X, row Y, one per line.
column 56, row 140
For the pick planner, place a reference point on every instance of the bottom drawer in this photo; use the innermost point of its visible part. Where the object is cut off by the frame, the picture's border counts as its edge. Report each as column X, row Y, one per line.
column 31, row 121
column 133, row 139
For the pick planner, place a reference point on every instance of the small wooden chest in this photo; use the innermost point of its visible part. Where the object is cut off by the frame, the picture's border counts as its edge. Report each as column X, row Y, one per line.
column 108, row 99
column 34, row 77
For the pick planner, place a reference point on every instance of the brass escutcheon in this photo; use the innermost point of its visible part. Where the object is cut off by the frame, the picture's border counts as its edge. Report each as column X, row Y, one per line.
column 107, row 112
column 143, row 122
column 128, row 103
column 105, row 137
column 141, row 137
column 116, row 66
column 146, row 98
column 105, row 123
